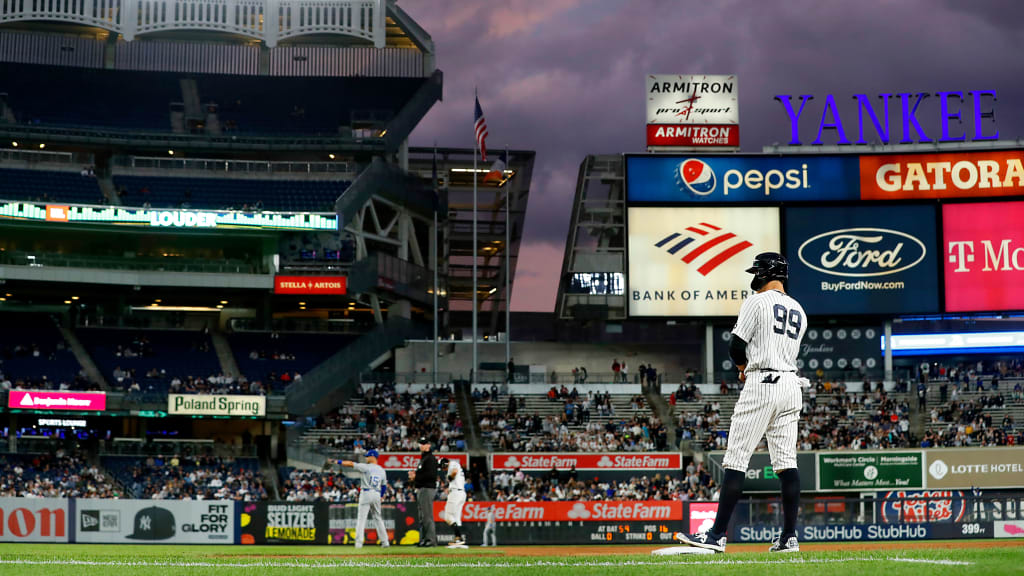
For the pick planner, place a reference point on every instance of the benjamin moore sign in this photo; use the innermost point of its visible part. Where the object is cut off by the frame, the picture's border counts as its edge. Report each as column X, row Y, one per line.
column 985, row 467
column 869, row 470
column 216, row 405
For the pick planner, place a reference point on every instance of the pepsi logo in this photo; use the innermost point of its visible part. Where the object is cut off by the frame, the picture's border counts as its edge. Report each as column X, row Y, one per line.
column 696, row 177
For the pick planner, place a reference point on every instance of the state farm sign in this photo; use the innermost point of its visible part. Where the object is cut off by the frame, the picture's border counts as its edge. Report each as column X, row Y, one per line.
column 411, row 460
column 569, row 511
column 984, row 256
column 583, row 461
column 33, row 520
column 49, row 400
column 948, row 175
column 310, row 285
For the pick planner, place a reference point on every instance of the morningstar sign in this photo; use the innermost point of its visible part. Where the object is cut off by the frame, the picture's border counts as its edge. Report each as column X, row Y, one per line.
column 950, row 108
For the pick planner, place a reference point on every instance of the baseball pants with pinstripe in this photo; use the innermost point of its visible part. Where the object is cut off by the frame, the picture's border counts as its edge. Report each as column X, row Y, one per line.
column 769, row 407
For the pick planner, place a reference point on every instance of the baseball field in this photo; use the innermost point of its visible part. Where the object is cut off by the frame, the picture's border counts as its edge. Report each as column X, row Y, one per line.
column 894, row 558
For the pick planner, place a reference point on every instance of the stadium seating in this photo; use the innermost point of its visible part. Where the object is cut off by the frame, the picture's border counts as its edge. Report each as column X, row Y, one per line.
column 49, row 186
column 188, row 477
column 221, row 193
column 36, row 356
column 54, row 475
column 694, row 484
column 267, row 356
column 137, row 100
column 150, row 358
column 317, row 486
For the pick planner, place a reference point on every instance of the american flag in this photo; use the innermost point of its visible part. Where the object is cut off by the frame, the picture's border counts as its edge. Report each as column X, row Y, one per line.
column 480, row 126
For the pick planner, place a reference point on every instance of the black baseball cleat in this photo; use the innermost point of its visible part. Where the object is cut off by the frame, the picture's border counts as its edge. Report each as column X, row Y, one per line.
column 427, row 544
column 787, row 544
column 704, row 540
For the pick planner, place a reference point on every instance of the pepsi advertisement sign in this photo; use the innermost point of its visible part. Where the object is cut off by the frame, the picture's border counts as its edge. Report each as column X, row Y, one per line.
column 687, row 179
column 863, row 259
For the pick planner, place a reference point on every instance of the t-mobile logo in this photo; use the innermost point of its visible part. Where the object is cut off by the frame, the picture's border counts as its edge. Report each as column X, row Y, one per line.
column 1002, row 257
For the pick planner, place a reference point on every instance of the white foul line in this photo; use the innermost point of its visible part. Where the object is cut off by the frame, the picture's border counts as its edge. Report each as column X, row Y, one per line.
column 432, row 564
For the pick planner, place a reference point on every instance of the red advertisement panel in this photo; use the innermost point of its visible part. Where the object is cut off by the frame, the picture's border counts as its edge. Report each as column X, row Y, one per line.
column 34, row 519
column 311, row 285
column 702, row 516
column 47, row 400
column 983, row 262
column 710, row 135
column 588, row 461
column 410, row 460
column 948, row 175
column 600, row 511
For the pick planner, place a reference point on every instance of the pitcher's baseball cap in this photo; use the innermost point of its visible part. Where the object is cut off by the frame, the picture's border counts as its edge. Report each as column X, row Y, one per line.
column 372, row 454
column 153, row 523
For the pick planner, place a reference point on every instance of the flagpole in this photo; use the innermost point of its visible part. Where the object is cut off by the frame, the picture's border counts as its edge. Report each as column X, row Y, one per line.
column 433, row 259
column 473, row 370
column 508, row 267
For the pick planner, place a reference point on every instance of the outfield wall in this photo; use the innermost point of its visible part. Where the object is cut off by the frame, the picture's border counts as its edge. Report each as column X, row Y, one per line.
column 883, row 516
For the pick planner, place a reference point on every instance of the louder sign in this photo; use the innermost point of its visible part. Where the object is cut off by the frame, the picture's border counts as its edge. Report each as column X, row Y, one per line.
column 983, row 256
column 583, row 461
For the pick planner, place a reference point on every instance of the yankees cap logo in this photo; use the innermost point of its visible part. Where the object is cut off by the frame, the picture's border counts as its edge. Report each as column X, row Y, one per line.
column 710, row 240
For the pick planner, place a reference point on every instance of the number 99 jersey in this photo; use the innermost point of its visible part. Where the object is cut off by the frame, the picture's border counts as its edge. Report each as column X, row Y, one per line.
column 773, row 325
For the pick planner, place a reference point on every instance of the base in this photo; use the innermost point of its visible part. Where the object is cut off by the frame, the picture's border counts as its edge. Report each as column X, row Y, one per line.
column 680, row 550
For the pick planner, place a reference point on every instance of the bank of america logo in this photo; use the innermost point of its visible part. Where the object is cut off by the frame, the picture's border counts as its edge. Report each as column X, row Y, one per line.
column 706, row 242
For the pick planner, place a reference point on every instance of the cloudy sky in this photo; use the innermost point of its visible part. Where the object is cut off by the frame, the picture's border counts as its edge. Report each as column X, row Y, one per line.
column 566, row 77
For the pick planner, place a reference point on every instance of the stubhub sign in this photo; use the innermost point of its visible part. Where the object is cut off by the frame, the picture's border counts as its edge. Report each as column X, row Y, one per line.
column 681, row 179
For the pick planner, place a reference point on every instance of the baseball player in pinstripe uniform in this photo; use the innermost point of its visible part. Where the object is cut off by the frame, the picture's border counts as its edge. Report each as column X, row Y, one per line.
column 765, row 343
column 372, row 483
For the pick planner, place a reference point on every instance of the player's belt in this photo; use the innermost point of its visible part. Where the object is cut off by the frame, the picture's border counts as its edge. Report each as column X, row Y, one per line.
column 456, row 490
column 776, row 371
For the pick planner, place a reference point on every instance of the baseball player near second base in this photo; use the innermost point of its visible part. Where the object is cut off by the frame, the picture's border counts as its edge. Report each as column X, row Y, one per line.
column 373, row 481
column 765, row 344
column 452, row 514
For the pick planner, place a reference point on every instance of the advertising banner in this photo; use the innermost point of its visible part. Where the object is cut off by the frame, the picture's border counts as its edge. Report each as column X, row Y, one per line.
column 1005, row 529
column 761, row 476
column 863, row 259
column 975, row 467
column 692, row 99
column 693, row 136
column 683, row 179
column 283, row 523
column 914, row 507
column 400, row 521
column 402, row 461
column 155, row 521
column 566, row 511
column 51, row 400
column 34, row 520
column 702, row 516
column 692, row 261
column 573, row 532
column 946, row 175
column 587, row 461
column 864, row 532
column 216, row 405
column 310, row 285
column 983, row 259
column 825, row 346
column 846, row 472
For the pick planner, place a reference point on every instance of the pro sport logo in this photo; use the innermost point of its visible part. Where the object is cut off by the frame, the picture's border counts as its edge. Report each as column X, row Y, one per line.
column 705, row 244
column 696, row 177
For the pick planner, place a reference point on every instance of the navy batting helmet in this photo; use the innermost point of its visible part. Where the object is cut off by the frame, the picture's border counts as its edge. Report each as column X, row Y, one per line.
column 768, row 266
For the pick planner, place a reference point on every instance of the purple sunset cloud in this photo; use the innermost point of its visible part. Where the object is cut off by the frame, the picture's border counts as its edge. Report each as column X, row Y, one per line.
column 566, row 77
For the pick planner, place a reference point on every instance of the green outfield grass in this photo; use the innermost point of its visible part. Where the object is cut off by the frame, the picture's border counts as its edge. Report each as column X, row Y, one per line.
column 111, row 560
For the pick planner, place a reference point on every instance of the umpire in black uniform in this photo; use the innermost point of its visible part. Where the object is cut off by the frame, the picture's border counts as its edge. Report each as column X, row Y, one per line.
column 424, row 478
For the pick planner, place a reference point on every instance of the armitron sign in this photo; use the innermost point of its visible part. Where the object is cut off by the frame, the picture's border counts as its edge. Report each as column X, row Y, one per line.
column 311, row 285
column 216, row 405
column 584, row 461
column 692, row 111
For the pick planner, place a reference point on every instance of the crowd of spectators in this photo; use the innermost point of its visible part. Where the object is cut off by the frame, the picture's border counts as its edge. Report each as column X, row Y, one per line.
column 328, row 486
column 552, row 434
column 834, row 419
column 392, row 421
column 55, row 475
column 970, row 423
column 196, row 478
column 695, row 483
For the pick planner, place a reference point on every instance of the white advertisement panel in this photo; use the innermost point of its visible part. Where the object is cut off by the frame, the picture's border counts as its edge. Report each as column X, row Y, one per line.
column 692, row 261
column 155, row 521
column 692, row 99
column 34, row 520
column 216, row 405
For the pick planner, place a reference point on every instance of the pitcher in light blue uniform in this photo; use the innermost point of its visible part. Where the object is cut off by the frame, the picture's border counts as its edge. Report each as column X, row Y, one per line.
column 373, row 481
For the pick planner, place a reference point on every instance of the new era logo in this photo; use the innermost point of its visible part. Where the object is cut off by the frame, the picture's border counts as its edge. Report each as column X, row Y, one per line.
column 706, row 242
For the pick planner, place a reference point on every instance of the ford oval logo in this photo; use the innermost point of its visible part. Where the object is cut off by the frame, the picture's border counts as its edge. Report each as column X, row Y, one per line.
column 861, row 252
